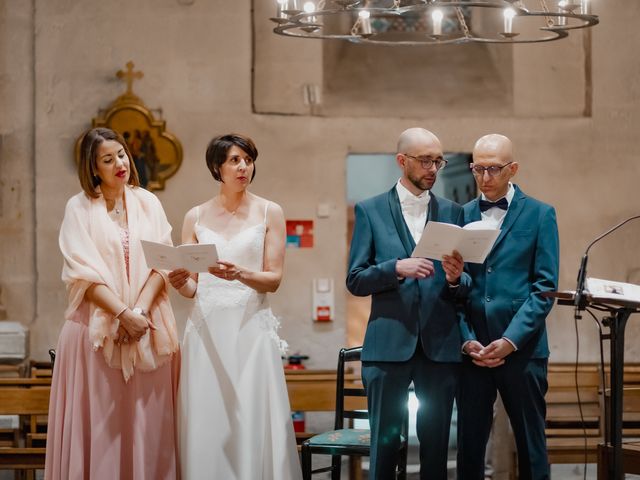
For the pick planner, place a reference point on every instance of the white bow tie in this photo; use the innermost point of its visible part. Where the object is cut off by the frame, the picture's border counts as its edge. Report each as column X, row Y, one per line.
column 415, row 204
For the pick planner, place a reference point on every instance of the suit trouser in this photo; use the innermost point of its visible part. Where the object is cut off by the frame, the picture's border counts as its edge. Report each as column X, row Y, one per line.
column 522, row 384
column 387, row 385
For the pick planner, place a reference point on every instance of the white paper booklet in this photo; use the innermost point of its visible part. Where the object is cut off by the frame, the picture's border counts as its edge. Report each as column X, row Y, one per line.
column 613, row 290
column 473, row 241
column 196, row 257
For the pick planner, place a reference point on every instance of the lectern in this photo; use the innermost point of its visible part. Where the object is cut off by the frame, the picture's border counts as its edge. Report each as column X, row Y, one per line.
column 618, row 312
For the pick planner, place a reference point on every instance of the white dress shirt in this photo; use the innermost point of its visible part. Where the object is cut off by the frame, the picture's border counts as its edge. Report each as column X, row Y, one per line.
column 414, row 210
column 495, row 216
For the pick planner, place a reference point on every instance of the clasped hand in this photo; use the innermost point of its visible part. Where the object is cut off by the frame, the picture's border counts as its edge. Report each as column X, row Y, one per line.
column 133, row 326
column 492, row 355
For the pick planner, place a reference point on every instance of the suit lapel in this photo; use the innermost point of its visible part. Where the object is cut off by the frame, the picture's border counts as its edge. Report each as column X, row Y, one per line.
column 515, row 208
column 398, row 220
column 434, row 209
column 474, row 214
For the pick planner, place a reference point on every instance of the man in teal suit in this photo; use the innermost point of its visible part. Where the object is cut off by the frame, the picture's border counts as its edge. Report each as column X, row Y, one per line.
column 505, row 337
column 413, row 333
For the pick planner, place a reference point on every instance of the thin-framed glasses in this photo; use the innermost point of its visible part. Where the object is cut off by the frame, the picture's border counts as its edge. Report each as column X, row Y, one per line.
column 427, row 162
column 493, row 170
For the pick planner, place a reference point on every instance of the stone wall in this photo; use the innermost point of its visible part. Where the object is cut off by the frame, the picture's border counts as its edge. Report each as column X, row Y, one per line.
column 57, row 64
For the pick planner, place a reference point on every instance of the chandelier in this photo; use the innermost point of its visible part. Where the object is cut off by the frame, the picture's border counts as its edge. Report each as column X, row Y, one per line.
column 419, row 22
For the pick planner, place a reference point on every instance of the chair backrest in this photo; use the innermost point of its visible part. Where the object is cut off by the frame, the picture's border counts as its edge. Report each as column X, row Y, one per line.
column 351, row 397
column 52, row 355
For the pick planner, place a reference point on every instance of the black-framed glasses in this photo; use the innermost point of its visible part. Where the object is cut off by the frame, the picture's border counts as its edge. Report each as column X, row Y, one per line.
column 427, row 162
column 493, row 170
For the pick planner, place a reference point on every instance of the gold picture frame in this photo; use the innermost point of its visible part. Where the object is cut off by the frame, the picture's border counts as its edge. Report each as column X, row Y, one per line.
column 157, row 153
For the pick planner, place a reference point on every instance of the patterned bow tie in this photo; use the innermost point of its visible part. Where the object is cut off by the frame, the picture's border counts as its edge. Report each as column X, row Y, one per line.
column 486, row 205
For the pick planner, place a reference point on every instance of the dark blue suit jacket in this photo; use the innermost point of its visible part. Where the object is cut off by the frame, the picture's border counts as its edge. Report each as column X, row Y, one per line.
column 403, row 310
column 505, row 299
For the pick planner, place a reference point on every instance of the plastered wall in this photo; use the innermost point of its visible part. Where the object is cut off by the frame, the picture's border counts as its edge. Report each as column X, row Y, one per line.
column 57, row 64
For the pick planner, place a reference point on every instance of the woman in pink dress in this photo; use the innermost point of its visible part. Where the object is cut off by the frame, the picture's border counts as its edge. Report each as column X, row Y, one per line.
column 111, row 414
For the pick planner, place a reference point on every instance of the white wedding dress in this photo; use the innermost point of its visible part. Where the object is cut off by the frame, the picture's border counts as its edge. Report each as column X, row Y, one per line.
column 234, row 420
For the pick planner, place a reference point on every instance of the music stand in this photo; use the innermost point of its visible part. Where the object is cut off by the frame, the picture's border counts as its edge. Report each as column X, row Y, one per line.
column 619, row 312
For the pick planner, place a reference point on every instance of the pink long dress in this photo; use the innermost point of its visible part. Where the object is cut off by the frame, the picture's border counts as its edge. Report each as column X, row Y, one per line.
column 100, row 425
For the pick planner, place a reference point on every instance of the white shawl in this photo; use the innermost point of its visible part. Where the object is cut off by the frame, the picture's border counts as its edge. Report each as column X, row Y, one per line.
column 92, row 249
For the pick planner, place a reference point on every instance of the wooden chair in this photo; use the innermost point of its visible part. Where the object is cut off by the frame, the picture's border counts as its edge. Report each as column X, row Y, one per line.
column 314, row 391
column 26, row 397
column 52, row 354
column 350, row 404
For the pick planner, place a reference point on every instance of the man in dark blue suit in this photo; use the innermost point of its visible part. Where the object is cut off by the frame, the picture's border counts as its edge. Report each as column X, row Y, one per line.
column 505, row 336
column 413, row 333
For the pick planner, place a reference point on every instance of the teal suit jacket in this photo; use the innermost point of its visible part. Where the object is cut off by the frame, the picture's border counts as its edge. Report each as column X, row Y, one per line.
column 505, row 298
column 403, row 310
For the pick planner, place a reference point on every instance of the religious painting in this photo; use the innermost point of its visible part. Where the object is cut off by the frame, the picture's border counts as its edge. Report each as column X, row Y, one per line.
column 157, row 154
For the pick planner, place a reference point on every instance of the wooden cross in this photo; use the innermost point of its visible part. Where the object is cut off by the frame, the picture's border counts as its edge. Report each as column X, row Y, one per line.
column 129, row 76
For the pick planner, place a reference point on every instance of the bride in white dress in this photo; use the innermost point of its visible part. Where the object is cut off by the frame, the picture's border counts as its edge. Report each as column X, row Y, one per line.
column 234, row 420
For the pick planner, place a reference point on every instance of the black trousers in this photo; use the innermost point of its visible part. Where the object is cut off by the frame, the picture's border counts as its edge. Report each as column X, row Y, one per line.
column 387, row 385
column 522, row 384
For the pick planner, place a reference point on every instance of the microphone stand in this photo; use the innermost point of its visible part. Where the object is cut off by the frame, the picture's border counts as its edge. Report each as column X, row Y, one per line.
column 579, row 301
column 616, row 322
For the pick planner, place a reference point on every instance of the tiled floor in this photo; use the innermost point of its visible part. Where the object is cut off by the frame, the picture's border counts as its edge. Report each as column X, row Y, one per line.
column 558, row 472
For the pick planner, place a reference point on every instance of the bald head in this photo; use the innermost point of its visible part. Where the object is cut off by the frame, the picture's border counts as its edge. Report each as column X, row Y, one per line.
column 415, row 137
column 494, row 152
column 494, row 145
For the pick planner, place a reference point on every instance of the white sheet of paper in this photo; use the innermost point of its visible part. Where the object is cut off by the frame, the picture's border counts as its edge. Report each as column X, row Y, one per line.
column 612, row 289
column 474, row 241
column 196, row 257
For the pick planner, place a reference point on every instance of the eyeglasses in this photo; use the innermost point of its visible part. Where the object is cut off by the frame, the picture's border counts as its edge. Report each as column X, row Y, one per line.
column 427, row 162
column 493, row 170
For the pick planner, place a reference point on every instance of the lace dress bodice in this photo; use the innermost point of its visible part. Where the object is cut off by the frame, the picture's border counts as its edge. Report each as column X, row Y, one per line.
column 246, row 249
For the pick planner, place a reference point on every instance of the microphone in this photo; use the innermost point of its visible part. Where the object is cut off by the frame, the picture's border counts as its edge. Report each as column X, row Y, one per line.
column 579, row 301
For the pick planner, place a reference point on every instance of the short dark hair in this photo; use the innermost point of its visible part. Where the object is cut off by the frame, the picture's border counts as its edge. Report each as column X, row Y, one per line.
column 219, row 147
column 87, row 168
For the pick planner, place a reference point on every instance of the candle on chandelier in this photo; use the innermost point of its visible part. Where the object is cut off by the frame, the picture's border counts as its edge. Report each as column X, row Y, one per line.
column 508, row 14
column 280, row 6
column 288, row 7
column 309, row 7
column 436, row 19
column 562, row 4
column 365, row 22
column 584, row 7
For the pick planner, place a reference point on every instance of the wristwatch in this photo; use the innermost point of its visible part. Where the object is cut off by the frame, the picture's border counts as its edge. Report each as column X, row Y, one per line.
column 139, row 311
